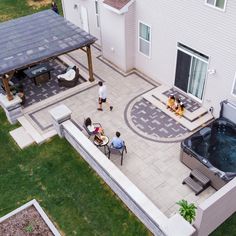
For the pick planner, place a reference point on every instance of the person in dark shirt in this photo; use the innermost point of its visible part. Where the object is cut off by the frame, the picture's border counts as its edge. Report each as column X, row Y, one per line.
column 54, row 7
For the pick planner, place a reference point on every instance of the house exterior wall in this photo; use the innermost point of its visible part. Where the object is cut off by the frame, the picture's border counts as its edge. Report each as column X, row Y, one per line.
column 221, row 205
column 190, row 22
column 74, row 15
column 113, row 37
column 198, row 26
column 130, row 36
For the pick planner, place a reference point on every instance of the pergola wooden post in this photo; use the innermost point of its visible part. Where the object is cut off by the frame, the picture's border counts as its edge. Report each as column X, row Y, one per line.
column 6, row 78
column 90, row 64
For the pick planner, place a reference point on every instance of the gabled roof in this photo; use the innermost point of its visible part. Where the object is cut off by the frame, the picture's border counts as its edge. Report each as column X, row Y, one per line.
column 118, row 6
column 30, row 39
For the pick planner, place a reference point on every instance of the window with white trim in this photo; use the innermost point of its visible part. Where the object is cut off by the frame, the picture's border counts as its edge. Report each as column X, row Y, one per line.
column 144, row 39
column 97, row 13
column 220, row 4
column 234, row 86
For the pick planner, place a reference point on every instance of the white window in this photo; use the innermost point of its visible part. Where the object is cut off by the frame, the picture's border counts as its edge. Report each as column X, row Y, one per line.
column 97, row 13
column 144, row 39
column 220, row 4
column 234, row 86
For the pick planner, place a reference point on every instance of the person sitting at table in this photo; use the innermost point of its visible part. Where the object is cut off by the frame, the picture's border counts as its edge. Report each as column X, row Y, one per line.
column 117, row 142
column 91, row 128
column 69, row 75
column 170, row 102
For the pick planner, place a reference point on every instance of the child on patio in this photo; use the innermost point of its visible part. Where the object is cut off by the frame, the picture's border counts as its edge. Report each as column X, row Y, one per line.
column 180, row 110
column 170, row 102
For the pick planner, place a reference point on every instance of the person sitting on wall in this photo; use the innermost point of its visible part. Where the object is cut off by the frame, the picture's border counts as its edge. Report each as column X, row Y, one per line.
column 117, row 142
column 170, row 102
column 91, row 128
column 69, row 75
column 180, row 111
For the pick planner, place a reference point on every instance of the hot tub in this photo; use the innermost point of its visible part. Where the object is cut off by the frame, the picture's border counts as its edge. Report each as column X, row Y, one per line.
column 212, row 149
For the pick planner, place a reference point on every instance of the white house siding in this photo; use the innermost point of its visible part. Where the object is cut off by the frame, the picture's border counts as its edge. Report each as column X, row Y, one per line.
column 73, row 14
column 113, row 37
column 130, row 36
column 191, row 22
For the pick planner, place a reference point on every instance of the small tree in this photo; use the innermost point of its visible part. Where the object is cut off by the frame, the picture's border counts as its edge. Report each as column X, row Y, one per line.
column 188, row 211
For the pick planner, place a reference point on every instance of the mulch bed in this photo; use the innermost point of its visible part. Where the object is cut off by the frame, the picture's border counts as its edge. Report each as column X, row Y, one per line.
column 25, row 223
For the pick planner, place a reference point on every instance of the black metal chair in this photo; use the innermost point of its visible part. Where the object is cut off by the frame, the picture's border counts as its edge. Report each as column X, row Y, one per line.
column 117, row 151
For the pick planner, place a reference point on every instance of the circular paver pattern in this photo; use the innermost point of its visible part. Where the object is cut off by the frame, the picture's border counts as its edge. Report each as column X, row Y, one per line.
column 151, row 123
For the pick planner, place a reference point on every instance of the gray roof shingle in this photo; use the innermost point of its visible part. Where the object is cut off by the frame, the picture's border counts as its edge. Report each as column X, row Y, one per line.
column 36, row 37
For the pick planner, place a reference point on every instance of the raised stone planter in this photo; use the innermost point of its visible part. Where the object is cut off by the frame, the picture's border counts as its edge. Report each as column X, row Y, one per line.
column 16, row 222
column 12, row 108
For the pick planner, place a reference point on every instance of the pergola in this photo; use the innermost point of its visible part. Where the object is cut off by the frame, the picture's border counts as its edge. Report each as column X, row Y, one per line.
column 29, row 40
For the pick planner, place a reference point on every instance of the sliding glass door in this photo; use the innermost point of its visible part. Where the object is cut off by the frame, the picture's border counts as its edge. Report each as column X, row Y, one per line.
column 191, row 68
column 197, row 77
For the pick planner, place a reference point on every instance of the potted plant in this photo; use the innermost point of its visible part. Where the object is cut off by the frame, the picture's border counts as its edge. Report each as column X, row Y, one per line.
column 187, row 210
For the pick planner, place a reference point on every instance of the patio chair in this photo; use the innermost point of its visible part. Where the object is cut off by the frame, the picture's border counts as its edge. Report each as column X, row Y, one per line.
column 87, row 130
column 70, row 83
column 117, row 151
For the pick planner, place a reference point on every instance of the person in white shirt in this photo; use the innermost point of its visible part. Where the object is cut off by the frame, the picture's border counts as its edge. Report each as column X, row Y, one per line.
column 102, row 96
column 69, row 75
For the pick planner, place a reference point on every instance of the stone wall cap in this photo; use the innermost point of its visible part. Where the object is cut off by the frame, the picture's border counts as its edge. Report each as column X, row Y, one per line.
column 178, row 226
column 60, row 112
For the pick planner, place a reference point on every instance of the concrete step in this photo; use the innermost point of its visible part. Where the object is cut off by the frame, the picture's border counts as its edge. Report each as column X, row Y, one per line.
column 182, row 120
column 36, row 136
column 158, row 94
column 21, row 137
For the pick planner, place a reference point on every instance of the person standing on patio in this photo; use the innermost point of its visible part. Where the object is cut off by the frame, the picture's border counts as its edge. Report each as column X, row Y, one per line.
column 102, row 93
column 54, row 7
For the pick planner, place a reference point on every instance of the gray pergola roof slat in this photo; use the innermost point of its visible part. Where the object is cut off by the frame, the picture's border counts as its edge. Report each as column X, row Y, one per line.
column 36, row 37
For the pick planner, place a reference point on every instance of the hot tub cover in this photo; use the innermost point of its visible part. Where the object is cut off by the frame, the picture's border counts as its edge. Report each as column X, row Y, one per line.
column 30, row 39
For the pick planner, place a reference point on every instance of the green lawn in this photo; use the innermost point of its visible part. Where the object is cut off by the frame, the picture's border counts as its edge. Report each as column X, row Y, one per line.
column 66, row 187
column 228, row 228
column 10, row 9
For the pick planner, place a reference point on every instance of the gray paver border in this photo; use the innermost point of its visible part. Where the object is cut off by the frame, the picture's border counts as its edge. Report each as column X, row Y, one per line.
column 31, row 115
column 132, row 72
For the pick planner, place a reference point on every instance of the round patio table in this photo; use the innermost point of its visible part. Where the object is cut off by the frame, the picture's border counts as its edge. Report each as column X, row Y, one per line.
column 105, row 141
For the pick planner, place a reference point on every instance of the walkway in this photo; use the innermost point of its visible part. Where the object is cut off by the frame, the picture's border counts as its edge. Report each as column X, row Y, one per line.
column 153, row 166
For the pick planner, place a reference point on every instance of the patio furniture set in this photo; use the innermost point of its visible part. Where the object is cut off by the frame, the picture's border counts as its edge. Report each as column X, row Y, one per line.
column 39, row 74
column 102, row 141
